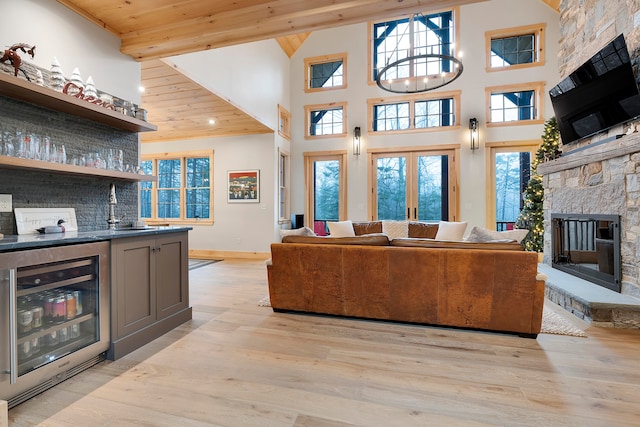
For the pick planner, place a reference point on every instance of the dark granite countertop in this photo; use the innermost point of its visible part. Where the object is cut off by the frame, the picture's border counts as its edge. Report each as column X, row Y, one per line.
column 32, row 241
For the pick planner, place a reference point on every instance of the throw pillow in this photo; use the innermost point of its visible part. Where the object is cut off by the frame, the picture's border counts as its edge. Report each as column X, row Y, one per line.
column 367, row 227
column 452, row 231
column 395, row 229
column 480, row 234
column 423, row 230
column 304, row 231
column 341, row 229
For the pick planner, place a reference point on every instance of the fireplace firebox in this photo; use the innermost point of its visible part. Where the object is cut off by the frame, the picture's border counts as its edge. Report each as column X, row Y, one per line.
column 588, row 246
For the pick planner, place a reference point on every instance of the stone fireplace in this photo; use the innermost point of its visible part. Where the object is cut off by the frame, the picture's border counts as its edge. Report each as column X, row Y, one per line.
column 598, row 179
column 598, row 175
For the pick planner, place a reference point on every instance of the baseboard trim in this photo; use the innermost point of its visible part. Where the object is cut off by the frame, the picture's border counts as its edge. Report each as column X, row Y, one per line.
column 204, row 254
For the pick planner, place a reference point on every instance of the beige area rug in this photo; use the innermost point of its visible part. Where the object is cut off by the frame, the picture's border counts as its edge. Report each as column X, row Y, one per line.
column 552, row 323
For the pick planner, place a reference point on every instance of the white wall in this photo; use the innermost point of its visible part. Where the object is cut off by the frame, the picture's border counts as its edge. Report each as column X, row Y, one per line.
column 253, row 76
column 475, row 19
column 59, row 32
column 240, row 227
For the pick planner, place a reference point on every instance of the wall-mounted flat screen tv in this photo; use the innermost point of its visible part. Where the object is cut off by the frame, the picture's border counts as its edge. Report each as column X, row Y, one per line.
column 600, row 94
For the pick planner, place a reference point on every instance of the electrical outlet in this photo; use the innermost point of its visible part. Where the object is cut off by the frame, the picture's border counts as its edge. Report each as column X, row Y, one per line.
column 5, row 203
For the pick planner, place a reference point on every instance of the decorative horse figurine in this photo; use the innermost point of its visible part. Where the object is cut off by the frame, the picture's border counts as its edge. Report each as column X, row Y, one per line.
column 14, row 59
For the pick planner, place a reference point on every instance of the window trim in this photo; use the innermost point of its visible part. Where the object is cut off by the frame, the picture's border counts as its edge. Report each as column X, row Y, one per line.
column 309, row 159
column 456, row 32
column 539, row 34
column 536, row 87
column 411, row 99
column 530, row 146
column 183, row 155
column 284, row 123
column 316, row 60
column 330, row 106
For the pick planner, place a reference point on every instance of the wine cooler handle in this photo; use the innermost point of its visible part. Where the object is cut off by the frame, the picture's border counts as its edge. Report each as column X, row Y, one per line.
column 13, row 327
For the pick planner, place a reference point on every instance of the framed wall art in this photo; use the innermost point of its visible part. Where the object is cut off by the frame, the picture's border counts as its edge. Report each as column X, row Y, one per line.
column 243, row 186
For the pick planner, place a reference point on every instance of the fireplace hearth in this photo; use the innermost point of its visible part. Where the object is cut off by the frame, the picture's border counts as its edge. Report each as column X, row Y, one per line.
column 588, row 246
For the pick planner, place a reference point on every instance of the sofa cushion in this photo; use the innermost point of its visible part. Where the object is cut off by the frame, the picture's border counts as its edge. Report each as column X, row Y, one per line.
column 304, row 231
column 367, row 227
column 341, row 229
column 452, row 231
column 480, row 234
column 431, row 243
column 378, row 239
column 395, row 229
column 422, row 229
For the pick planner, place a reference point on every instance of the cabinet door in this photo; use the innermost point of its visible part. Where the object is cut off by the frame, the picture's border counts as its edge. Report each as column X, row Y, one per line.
column 134, row 285
column 172, row 274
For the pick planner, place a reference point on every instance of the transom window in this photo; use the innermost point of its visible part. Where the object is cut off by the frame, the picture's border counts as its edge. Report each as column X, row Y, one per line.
column 183, row 191
column 416, row 35
column 515, row 104
column 327, row 72
column 325, row 120
column 515, row 47
column 416, row 112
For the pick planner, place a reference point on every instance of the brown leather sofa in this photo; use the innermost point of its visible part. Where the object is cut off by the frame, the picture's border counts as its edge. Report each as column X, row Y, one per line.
column 468, row 285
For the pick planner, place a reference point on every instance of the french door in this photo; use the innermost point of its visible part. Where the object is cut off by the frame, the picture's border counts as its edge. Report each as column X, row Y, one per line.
column 325, row 189
column 509, row 172
column 414, row 185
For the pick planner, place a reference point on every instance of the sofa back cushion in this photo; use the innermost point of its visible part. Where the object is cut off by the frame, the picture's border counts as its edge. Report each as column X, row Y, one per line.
column 430, row 243
column 377, row 239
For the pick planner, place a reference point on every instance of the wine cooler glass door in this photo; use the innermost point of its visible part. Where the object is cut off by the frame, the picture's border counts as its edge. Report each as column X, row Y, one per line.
column 56, row 310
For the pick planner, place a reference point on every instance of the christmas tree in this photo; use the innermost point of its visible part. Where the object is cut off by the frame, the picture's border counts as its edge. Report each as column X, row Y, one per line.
column 532, row 216
column 57, row 78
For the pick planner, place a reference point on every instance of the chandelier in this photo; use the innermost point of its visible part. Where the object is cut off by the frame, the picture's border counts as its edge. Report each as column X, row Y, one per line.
column 419, row 82
column 420, row 72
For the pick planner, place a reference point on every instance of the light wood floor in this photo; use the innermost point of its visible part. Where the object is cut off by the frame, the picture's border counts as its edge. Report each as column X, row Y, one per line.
column 238, row 364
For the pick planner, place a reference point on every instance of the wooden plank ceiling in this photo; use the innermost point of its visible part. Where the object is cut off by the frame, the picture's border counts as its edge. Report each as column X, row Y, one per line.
column 153, row 29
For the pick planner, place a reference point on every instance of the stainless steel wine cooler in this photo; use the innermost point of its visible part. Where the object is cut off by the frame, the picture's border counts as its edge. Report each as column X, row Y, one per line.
column 54, row 316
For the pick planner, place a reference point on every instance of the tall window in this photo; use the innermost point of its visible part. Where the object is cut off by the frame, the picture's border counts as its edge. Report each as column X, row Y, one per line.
column 515, row 104
column 515, row 47
column 414, row 185
column 325, row 120
column 325, row 188
column 414, row 112
column 510, row 171
column 183, row 191
column 416, row 35
column 327, row 72
column 283, row 186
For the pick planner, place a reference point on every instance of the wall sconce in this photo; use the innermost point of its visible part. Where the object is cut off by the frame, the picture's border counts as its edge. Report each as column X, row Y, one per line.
column 356, row 141
column 473, row 134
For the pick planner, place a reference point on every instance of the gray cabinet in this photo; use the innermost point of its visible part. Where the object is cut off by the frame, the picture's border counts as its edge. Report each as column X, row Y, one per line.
column 149, row 289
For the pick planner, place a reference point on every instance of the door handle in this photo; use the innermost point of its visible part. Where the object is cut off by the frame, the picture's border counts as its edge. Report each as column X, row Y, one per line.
column 13, row 327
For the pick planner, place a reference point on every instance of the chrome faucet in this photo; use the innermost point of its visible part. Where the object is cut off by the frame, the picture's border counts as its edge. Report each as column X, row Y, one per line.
column 112, row 221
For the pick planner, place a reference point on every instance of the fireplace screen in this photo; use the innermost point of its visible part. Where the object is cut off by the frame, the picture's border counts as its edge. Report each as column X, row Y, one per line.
column 588, row 246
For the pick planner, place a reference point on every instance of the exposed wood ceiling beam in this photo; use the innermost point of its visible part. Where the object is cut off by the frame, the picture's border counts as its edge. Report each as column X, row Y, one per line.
column 151, row 29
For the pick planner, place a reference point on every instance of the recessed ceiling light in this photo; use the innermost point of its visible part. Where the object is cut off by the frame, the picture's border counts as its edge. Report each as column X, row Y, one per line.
column 212, row 122
column 141, row 88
